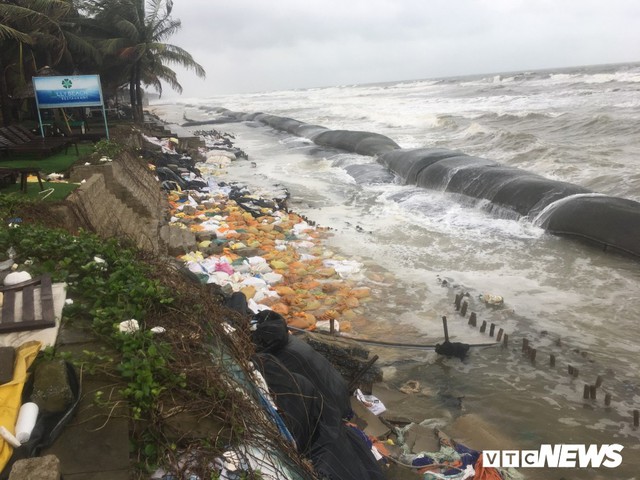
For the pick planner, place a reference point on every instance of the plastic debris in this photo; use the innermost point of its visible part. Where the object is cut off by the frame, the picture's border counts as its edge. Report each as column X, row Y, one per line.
column 371, row 402
column 129, row 326
column 491, row 299
column 411, row 386
column 16, row 277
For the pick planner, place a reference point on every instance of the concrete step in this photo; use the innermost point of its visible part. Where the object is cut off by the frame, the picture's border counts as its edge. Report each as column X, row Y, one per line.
column 125, row 196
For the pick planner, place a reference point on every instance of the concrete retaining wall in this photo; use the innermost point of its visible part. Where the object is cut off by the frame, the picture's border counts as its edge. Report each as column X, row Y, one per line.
column 123, row 198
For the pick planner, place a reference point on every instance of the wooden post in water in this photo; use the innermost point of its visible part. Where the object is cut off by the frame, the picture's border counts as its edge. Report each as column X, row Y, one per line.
column 505, row 340
column 607, row 399
column 585, row 392
column 552, row 360
column 458, row 301
column 636, row 418
column 463, row 310
column 472, row 319
column 492, row 329
column 356, row 378
column 532, row 354
column 598, row 381
column 570, row 370
column 332, row 326
column 483, row 327
column 592, row 392
column 525, row 345
column 446, row 330
column 499, row 337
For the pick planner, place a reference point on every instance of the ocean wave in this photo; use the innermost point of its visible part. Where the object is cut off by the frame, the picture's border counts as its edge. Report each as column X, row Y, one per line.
column 524, row 115
column 475, row 129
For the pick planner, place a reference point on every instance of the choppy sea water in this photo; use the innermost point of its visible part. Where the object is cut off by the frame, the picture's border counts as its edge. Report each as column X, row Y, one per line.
column 579, row 125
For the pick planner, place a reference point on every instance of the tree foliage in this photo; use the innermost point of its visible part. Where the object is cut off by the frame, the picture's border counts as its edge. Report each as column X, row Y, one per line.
column 124, row 41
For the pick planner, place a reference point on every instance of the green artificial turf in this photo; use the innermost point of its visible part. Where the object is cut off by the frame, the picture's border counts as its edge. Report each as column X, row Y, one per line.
column 58, row 163
column 60, row 190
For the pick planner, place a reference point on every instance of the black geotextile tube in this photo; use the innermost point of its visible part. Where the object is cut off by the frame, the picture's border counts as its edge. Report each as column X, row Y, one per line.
column 609, row 221
column 571, row 210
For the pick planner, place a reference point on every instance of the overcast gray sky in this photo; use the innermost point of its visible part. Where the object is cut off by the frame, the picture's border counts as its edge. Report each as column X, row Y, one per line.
column 258, row 45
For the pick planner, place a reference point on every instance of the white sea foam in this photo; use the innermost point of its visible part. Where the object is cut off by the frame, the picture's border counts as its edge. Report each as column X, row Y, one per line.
column 575, row 125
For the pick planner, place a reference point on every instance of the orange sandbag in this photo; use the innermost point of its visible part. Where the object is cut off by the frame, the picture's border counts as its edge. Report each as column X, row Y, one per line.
column 302, row 320
column 482, row 473
column 280, row 308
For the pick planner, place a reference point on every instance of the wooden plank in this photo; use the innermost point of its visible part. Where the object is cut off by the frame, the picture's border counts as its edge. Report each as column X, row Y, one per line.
column 7, row 308
column 24, row 326
column 27, row 320
column 46, row 299
column 18, row 286
column 28, row 310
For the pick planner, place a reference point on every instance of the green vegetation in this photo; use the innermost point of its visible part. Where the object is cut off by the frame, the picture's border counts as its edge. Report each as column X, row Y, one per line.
column 60, row 191
column 12, row 205
column 124, row 41
column 132, row 34
column 177, row 383
column 58, row 163
column 108, row 148
column 110, row 283
column 109, row 286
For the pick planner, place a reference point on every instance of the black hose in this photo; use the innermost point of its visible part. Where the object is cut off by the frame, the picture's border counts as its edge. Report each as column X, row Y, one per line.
column 385, row 344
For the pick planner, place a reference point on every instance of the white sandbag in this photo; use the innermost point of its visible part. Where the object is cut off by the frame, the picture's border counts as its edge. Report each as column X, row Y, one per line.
column 221, row 153
column 16, row 277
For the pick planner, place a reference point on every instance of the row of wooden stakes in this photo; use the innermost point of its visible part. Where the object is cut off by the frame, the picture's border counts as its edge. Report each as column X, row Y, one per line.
column 589, row 391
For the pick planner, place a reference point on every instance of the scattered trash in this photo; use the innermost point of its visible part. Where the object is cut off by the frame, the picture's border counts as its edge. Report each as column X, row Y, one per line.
column 8, row 436
column 27, row 417
column 16, row 277
column 6, row 264
column 129, row 326
column 491, row 299
column 411, row 386
column 373, row 403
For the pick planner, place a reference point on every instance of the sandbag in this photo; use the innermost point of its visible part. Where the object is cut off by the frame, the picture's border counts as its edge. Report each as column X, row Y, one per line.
column 340, row 453
column 270, row 335
column 335, row 450
column 298, row 401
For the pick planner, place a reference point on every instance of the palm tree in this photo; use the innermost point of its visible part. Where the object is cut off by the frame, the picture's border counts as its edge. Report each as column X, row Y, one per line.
column 33, row 34
column 140, row 31
column 23, row 23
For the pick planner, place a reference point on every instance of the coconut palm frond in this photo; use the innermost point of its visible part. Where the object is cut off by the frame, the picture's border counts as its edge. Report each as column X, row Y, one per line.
column 9, row 33
column 179, row 56
column 82, row 45
column 167, row 29
column 127, row 28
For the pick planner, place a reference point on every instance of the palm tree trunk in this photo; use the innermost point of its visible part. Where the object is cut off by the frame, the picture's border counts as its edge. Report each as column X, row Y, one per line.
column 132, row 97
column 139, row 94
column 5, row 109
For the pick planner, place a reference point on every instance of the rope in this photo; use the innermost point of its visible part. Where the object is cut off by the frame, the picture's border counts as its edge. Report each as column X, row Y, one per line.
column 46, row 193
